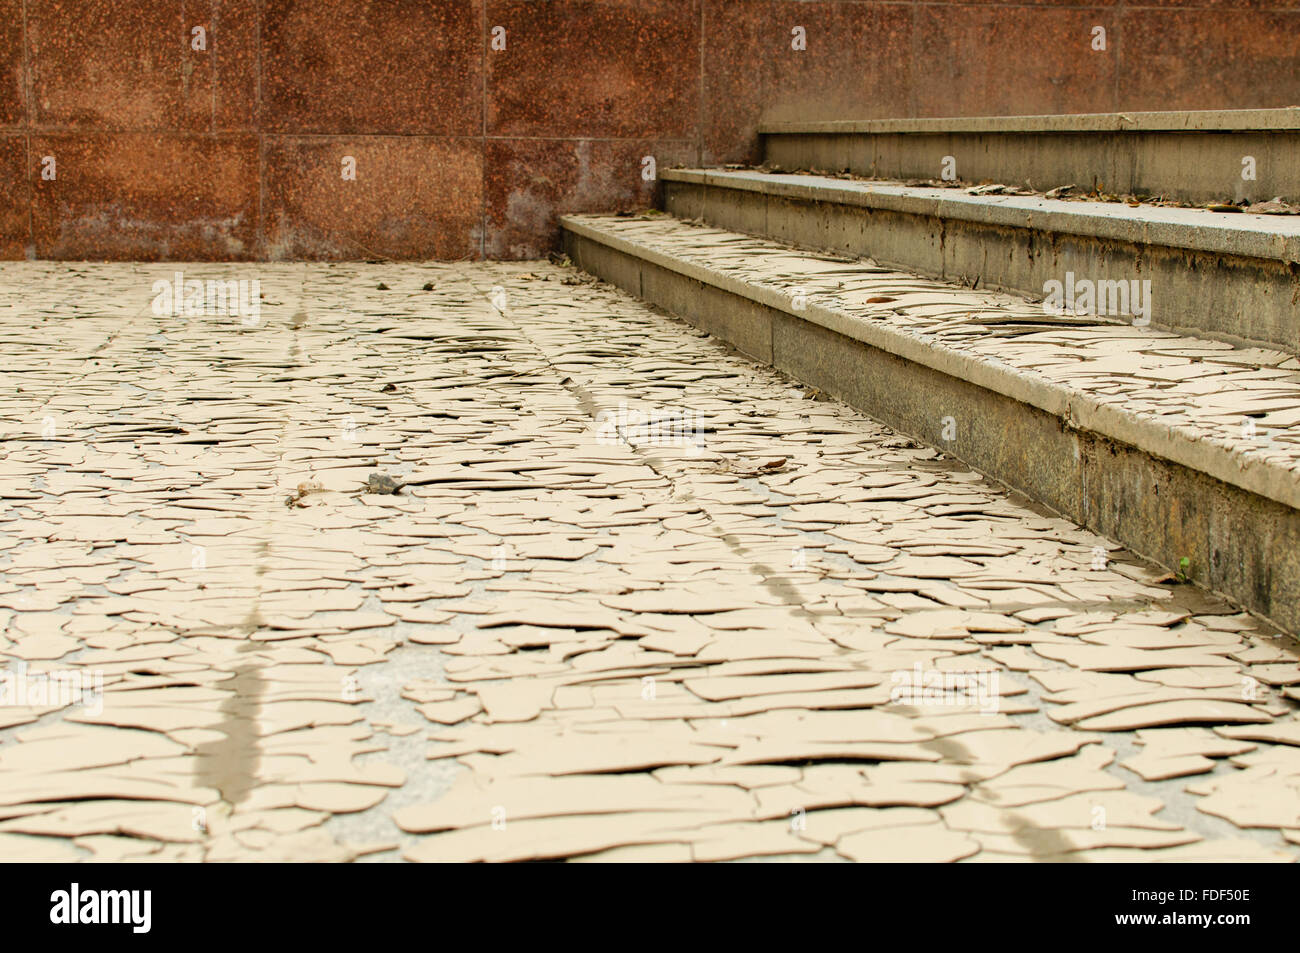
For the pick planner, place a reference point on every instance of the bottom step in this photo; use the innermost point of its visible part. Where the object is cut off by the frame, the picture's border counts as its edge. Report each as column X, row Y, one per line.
column 1182, row 449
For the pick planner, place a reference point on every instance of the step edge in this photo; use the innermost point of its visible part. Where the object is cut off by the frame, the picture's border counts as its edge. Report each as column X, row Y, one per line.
column 1057, row 216
column 1232, row 467
column 1281, row 119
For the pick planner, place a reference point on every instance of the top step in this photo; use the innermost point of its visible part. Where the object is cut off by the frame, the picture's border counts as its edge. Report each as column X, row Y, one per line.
column 1190, row 120
column 1198, row 156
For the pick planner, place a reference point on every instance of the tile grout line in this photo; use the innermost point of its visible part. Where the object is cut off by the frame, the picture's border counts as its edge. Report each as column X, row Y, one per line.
column 699, row 111
column 30, row 250
column 483, row 136
column 263, row 251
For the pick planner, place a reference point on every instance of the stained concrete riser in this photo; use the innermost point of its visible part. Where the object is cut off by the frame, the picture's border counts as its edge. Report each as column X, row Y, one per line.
column 1190, row 167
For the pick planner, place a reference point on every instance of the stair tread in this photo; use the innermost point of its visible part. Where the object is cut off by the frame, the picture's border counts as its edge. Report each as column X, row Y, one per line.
column 1180, row 397
column 1246, row 234
column 1191, row 120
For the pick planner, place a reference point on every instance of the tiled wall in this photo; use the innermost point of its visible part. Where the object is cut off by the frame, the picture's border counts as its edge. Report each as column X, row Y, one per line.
column 161, row 151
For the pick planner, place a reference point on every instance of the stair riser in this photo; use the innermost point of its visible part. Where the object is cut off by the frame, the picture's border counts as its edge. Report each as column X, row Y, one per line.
column 1238, row 543
column 1183, row 166
column 1233, row 298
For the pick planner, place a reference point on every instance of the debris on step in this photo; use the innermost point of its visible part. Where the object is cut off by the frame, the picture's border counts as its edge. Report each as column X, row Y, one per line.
column 304, row 490
column 382, row 483
column 774, row 465
column 1275, row 206
column 995, row 188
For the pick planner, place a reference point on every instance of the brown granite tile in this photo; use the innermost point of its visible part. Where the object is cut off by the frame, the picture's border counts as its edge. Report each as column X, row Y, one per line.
column 13, row 97
column 738, row 37
column 134, row 66
column 225, row 76
column 1043, row 3
column 1209, row 59
column 1231, row 4
column 993, row 61
column 594, row 69
column 145, row 196
column 856, row 62
column 399, row 66
column 413, row 197
column 109, row 64
column 530, row 183
column 15, row 219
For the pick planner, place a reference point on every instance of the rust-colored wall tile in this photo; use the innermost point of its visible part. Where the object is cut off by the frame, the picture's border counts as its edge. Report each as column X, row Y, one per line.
column 739, row 36
column 857, row 62
column 1241, row 5
column 530, row 183
column 854, row 60
column 1209, row 59
column 1090, row 4
column 222, row 82
column 993, row 61
column 413, row 197
column 145, row 196
column 364, row 66
column 15, row 218
column 594, row 69
column 13, row 95
column 109, row 64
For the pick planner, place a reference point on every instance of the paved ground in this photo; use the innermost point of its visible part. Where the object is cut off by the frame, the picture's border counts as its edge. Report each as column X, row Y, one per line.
column 634, row 598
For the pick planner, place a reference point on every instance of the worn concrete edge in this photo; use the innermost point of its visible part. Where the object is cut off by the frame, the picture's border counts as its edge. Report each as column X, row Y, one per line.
column 1245, row 471
column 1246, row 236
column 1283, row 119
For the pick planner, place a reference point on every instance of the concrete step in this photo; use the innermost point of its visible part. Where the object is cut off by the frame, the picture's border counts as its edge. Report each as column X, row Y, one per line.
column 1233, row 277
column 1184, row 449
column 1196, row 156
